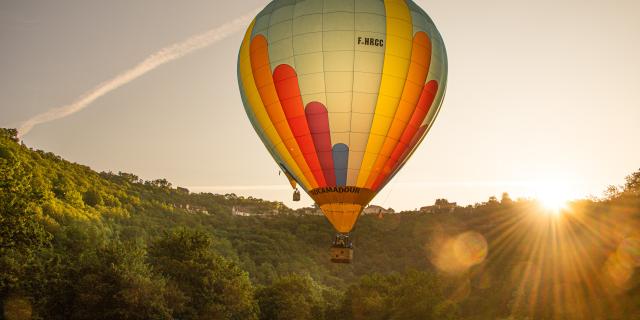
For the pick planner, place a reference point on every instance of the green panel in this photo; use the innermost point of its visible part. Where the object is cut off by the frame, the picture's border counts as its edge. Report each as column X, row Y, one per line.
column 307, row 23
column 338, row 21
column 370, row 6
column 307, row 43
column 307, row 7
column 280, row 31
column 338, row 5
column 281, row 14
column 338, row 40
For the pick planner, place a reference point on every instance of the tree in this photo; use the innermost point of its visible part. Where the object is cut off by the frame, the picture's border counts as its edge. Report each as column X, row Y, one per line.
column 632, row 184
column 413, row 295
column 115, row 282
column 292, row 297
column 214, row 287
column 506, row 199
column 20, row 199
column 370, row 298
column 160, row 183
column 419, row 295
column 10, row 134
column 93, row 198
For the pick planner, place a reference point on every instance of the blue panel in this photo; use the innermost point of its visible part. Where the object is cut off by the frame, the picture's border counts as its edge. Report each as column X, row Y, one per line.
column 340, row 161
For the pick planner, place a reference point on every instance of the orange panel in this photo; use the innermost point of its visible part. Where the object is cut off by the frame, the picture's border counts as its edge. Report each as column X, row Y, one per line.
column 261, row 67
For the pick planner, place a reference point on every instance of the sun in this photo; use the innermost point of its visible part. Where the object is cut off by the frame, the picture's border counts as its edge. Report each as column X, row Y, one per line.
column 554, row 203
column 553, row 195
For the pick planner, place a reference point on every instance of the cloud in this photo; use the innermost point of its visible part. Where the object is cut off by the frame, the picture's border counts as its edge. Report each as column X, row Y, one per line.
column 164, row 55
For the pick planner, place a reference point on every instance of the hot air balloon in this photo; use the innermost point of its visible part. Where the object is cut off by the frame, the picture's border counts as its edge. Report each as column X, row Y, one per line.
column 341, row 93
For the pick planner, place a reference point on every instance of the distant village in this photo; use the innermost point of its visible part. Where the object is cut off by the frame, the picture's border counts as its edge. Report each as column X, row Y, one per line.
column 440, row 206
column 249, row 210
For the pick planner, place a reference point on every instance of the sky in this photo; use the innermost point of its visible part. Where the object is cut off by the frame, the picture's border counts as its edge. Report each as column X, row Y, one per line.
column 542, row 97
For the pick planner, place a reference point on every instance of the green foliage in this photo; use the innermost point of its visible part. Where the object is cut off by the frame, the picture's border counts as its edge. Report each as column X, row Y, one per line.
column 21, row 196
column 292, row 297
column 410, row 295
column 370, row 298
column 115, row 282
column 632, row 185
column 76, row 244
column 9, row 134
column 93, row 198
column 214, row 287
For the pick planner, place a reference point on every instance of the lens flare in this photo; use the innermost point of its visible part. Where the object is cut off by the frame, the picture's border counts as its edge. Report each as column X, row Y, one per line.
column 470, row 248
column 617, row 271
column 629, row 251
column 458, row 253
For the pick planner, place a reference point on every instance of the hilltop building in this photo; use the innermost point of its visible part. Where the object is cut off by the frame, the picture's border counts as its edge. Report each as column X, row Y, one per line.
column 373, row 209
column 239, row 211
column 192, row 208
column 252, row 211
column 310, row 211
column 440, row 206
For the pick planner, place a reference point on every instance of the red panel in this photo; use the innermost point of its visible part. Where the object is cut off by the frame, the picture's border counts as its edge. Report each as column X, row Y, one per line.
column 286, row 82
column 409, row 134
column 318, row 120
column 407, row 150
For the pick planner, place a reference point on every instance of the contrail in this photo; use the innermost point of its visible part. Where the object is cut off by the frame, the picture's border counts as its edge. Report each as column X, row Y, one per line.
column 164, row 55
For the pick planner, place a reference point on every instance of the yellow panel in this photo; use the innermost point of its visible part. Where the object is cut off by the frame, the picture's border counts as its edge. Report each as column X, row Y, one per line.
column 342, row 205
column 420, row 60
column 253, row 97
column 398, row 41
column 342, row 216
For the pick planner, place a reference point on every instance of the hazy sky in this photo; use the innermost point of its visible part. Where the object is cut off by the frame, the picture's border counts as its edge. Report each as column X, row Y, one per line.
column 543, row 97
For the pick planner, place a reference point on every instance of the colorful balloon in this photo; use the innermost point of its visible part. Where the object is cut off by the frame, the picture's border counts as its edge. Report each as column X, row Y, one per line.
column 341, row 93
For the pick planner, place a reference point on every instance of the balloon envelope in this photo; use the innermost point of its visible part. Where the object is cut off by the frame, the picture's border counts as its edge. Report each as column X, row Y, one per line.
column 341, row 93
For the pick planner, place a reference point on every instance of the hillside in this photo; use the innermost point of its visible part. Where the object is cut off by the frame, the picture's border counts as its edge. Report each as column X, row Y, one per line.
column 78, row 244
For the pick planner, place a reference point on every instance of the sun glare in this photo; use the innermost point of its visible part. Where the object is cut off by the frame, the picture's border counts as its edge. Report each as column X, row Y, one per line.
column 553, row 195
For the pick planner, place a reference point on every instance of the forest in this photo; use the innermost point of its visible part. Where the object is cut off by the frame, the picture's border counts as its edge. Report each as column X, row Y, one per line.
column 81, row 244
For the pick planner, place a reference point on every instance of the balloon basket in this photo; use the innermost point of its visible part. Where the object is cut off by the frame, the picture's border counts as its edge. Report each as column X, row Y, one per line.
column 342, row 249
column 341, row 255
